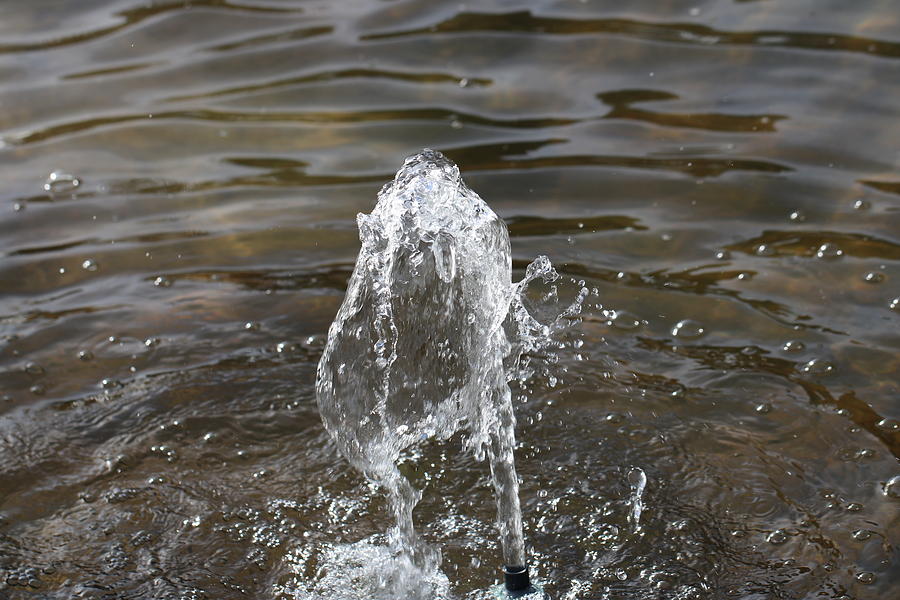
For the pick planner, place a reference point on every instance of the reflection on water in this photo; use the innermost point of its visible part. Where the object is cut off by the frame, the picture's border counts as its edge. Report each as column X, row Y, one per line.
column 177, row 226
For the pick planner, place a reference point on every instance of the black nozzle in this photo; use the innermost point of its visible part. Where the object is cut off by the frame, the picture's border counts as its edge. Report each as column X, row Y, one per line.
column 515, row 578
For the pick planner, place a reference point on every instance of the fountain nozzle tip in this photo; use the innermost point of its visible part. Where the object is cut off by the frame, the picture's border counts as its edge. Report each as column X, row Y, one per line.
column 515, row 578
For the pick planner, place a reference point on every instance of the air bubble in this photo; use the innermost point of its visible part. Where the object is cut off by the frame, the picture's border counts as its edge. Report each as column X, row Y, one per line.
column 622, row 319
column 90, row 265
column 162, row 281
column 892, row 487
column 765, row 250
column 85, row 355
column 763, row 408
column 861, row 535
column 252, row 326
column 723, row 255
column 777, row 537
column 688, row 329
column 60, row 182
column 865, row 578
column 108, row 384
column 817, row 366
column 862, row 205
column 32, row 368
column 793, row 346
column 873, row 277
column 285, row 347
column 895, row 304
column 797, row 216
column 829, row 251
column 888, row 424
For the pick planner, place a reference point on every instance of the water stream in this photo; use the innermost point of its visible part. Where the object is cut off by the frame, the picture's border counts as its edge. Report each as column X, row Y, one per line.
column 429, row 334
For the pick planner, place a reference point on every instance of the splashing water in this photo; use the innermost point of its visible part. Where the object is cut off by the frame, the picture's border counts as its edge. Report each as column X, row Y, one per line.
column 429, row 334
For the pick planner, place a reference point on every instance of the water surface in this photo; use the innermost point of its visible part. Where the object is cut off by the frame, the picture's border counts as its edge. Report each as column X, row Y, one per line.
column 177, row 228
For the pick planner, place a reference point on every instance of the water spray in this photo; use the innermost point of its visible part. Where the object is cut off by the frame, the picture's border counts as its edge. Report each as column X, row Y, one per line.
column 424, row 345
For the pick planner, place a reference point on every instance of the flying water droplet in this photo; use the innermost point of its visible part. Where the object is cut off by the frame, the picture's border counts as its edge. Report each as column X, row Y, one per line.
column 637, row 479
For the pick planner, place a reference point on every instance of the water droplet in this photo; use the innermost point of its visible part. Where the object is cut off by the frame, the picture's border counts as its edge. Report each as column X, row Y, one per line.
column 688, row 329
column 463, row 82
column 251, row 326
column 797, row 216
column 892, row 487
column 89, row 265
column 32, row 368
column 108, row 384
column 455, row 123
column 854, row 507
column 829, row 251
column 151, row 342
column 723, row 255
column 895, row 304
column 764, row 408
column 793, row 346
column 765, row 250
column 60, row 182
column 865, row 577
column 19, row 206
column 873, row 277
column 85, row 355
column 779, row 536
column 862, row 205
column 817, row 366
column 162, row 281
column 861, row 535
column 38, row 389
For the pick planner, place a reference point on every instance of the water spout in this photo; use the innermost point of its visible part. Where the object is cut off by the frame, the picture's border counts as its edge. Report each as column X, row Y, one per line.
column 428, row 336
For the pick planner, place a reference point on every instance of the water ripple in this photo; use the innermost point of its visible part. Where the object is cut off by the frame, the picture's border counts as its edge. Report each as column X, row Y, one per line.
column 518, row 22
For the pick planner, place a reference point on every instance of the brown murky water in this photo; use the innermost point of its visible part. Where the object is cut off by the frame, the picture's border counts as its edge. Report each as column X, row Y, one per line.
column 165, row 294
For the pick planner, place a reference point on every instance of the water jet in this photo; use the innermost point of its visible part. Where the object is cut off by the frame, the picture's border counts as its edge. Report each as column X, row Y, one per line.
column 430, row 332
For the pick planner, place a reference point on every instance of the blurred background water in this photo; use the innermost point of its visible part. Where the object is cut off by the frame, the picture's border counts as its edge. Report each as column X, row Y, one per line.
column 177, row 226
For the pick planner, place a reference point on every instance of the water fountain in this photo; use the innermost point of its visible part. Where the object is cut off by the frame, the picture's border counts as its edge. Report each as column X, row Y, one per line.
column 430, row 332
